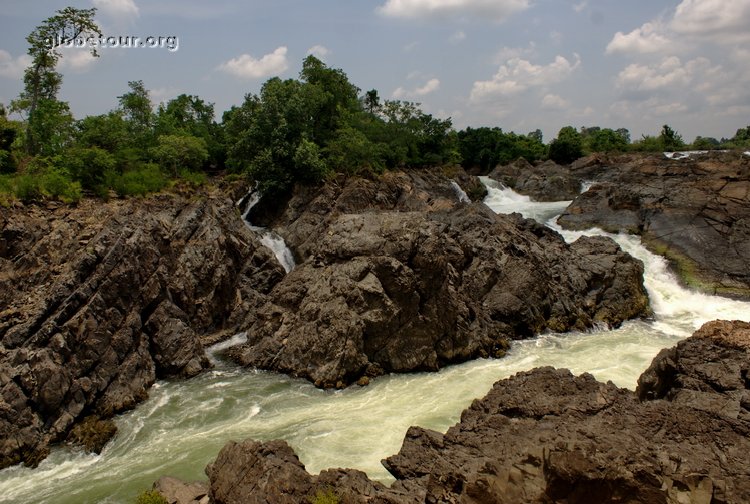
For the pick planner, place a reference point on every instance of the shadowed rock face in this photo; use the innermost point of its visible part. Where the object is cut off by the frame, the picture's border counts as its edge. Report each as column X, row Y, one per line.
column 394, row 279
column 548, row 436
column 101, row 299
column 694, row 211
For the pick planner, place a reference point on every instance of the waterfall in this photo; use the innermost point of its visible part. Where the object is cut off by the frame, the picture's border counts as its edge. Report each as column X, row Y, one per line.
column 184, row 423
column 460, row 193
column 269, row 238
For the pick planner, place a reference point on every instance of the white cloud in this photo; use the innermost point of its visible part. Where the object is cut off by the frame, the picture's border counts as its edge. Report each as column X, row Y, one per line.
column 430, row 86
column 163, row 94
column 319, row 51
column 579, row 7
column 76, row 59
column 507, row 53
column 517, row 75
column 693, row 22
column 457, row 37
column 496, row 10
column 554, row 102
column 248, row 67
column 646, row 39
column 669, row 75
column 11, row 67
column 117, row 9
column 717, row 20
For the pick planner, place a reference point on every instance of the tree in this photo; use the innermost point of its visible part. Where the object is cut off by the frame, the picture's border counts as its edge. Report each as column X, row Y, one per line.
column 136, row 107
column 190, row 115
column 567, row 147
column 670, row 139
column 41, row 80
column 176, row 152
column 607, row 140
column 372, row 101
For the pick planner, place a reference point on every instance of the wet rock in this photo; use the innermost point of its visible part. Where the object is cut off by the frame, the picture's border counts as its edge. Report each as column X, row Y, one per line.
column 101, row 299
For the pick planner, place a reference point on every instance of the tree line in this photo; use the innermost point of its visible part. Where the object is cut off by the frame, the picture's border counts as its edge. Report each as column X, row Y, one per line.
column 300, row 130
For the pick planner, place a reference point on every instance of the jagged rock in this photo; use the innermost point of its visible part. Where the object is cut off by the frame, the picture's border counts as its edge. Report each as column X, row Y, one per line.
column 548, row 436
column 695, row 211
column 412, row 291
column 101, row 299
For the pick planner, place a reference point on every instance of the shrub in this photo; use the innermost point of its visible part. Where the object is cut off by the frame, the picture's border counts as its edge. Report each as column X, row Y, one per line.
column 327, row 496
column 139, row 182
column 28, row 188
column 59, row 186
column 194, row 178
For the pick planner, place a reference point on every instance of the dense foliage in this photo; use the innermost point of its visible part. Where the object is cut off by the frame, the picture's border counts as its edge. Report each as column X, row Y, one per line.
column 293, row 131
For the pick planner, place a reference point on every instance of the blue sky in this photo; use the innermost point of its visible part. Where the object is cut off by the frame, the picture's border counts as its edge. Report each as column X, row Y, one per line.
column 516, row 64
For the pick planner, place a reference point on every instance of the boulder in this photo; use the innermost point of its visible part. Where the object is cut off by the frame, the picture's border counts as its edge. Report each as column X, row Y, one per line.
column 400, row 291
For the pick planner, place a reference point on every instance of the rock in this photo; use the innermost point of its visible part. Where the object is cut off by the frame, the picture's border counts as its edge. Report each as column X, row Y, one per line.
column 401, row 291
column 176, row 491
column 101, row 299
column 694, row 211
column 548, row 436
column 546, row 181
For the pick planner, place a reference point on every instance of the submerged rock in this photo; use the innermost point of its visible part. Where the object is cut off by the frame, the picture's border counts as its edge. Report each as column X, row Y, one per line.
column 548, row 436
column 100, row 300
column 397, row 281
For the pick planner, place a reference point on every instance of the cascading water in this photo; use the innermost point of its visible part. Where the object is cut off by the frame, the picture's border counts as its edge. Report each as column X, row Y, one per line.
column 267, row 237
column 184, row 423
column 460, row 193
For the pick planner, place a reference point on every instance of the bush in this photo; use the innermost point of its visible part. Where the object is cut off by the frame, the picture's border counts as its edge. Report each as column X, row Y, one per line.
column 151, row 497
column 28, row 188
column 194, row 178
column 327, row 496
column 57, row 185
column 139, row 182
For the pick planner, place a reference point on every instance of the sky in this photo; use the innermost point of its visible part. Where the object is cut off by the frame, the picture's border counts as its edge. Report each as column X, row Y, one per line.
column 516, row 64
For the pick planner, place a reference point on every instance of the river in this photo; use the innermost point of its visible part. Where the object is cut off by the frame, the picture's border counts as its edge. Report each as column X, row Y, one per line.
column 184, row 424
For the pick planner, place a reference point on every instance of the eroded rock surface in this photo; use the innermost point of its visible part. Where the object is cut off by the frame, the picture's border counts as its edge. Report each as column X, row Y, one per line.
column 548, row 436
column 99, row 300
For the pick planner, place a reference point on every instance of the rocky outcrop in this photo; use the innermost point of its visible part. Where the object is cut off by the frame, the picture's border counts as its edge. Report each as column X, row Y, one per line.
column 545, row 181
column 695, row 211
column 395, row 279
column 101, row 299
column 548, row 436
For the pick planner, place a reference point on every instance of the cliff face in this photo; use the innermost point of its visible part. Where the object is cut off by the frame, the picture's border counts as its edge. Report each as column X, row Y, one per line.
column 548, row 436
column 101, row 299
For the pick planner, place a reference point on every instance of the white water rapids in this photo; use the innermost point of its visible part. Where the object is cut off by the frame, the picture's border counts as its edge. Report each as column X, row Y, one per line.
column 184, row 424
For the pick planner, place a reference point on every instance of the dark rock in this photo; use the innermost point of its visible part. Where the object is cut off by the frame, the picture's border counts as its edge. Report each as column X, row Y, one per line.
column 546, row 181
column 399, row 291
column 695, row 211
column 548, row 436
column 92, row 433
column 101, row 299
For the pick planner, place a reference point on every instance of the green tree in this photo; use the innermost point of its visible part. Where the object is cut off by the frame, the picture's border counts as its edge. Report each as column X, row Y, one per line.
column 190, row 115
column 670, row 139
column 705, row 143
column 137, row 111
column 41, row 80
column 567, row 147
column 607, row 140
column 176, row 152
column 372, row 101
